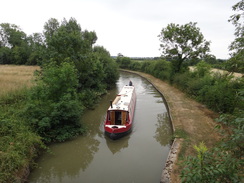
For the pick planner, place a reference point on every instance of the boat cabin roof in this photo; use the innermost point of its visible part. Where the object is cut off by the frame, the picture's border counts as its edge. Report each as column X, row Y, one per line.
column 122, row 100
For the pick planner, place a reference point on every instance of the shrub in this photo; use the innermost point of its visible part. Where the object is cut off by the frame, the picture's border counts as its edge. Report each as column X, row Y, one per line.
column 181, row 80
column 135, row 65
column 202, row 69
column 195, row 84
column 221, row 96
column 210, row 166
column 161, row 69
column 53, row 108
column 18, row 144
column 233, row 141
column 144, row 66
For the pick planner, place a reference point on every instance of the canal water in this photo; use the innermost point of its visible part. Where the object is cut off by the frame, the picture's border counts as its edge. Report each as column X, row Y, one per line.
column 94, row 158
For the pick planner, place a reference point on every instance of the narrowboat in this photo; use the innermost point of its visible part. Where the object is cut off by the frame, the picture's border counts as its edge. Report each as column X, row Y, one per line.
column 120, row 114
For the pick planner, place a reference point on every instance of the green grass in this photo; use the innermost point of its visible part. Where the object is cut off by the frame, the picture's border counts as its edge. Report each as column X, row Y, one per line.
column 18, row 144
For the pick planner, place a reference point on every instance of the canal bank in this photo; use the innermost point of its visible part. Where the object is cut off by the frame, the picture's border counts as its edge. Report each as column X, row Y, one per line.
column 192, row 123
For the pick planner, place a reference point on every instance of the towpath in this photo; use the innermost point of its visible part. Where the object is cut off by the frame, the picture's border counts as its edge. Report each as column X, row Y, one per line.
column 191, row 120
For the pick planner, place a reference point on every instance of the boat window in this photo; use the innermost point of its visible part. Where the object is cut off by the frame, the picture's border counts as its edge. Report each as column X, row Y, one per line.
column 118, row 118
column 108, row 116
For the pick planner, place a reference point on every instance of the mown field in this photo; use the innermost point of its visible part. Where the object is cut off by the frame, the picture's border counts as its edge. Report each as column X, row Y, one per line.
column 13, row 78
column 235, row 74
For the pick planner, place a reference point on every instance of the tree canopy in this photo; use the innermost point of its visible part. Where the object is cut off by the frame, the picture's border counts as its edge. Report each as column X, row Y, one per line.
column 236, row 64
column 182, row 42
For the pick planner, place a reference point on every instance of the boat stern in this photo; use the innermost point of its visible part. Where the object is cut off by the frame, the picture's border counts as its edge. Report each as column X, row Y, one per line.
column 116, row 131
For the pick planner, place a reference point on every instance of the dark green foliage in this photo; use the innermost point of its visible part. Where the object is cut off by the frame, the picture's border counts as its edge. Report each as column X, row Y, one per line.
column 160, row 69
column 195, row 85
column 68, row 43
column 109, row 66
column 235, row 63
column 234, row 142
column 19, row 145
column 5, row 55
column 124, row 62
column 182, row 42
column 220, row 97
column 211, row 166
column 202, row 69
column 181, row 80
column 136, row 65
column 14, row 48
column 53, row 108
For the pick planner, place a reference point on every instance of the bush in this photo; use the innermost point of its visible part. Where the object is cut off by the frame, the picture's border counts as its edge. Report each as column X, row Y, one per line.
column 181, row 80
column 161, row 69
column 135, row 65
column 202, row 69
column 53, row 108
column 195, row 84
column 123, row 62
column 221, row 96
column 18, row 144
column 210, row 166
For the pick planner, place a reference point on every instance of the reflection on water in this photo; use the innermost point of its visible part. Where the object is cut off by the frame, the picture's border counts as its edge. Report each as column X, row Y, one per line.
column 118, row 145
column 163, row 133
column 94, row 158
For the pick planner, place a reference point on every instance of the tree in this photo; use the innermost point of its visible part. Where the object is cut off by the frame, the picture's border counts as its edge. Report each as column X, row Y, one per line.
column 36, row 43
column 182, row 42
column 12, row 37
column 50, row 27
column 236, row 64
column 124, row 62
column 109, row 66
column 53, row 108
column 67, row 42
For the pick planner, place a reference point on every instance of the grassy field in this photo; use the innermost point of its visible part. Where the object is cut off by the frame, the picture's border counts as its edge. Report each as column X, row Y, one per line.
column 14, row 77
column 235, row 74
column 18, row 144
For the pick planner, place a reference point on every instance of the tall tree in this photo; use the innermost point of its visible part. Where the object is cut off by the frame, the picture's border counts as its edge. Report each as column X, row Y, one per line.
column 236, row 63
column 182, row 42
column 50, row 27
column 11, row 35
column 36, row 43
column 14, row 48
column 109, row 66
column 68, row 43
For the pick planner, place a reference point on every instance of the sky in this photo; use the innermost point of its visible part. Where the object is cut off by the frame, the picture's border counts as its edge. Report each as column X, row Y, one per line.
column 129, row 27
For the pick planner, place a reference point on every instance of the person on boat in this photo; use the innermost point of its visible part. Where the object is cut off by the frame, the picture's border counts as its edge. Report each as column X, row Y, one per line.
column 130, row 83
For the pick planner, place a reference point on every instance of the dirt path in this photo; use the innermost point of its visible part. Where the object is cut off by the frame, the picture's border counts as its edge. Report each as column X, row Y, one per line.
column 191, row 120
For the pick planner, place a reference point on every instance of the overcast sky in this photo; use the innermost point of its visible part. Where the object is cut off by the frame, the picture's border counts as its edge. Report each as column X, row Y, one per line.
column 129, row 27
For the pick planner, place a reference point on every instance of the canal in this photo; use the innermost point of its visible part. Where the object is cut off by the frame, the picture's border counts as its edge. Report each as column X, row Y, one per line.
column 94, row 158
